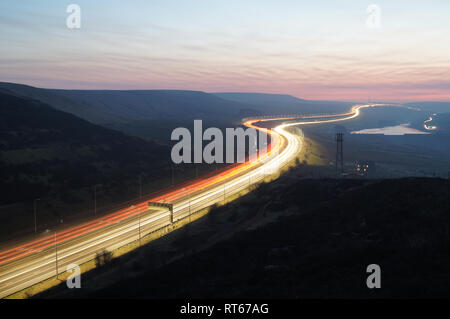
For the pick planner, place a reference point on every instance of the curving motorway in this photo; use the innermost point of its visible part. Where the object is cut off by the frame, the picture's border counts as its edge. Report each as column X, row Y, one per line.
column 27, row 264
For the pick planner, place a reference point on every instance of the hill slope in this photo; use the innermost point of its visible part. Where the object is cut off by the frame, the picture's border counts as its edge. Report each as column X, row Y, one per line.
column 57, row 101
column 120, row 106
column 43, row 150
column 254, row 98
column 285, row 104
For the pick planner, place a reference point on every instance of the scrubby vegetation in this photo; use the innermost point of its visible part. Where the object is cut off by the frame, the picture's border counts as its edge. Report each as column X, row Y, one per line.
column 309, row 238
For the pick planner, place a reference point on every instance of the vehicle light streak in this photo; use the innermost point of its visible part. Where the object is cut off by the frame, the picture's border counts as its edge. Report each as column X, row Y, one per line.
column 428, row 127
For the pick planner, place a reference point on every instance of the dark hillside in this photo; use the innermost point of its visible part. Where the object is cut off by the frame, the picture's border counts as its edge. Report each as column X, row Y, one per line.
column 323, row 235
column 340, row 227
column 43, row 150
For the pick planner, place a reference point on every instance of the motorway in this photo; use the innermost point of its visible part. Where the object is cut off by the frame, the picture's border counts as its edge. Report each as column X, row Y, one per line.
column 429, row 127
column 27, row 264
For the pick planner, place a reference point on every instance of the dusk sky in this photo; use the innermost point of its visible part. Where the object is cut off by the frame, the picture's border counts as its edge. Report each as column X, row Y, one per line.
column 310, row 49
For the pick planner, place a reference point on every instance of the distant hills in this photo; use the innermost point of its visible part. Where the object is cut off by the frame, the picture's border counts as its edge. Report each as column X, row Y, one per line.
column 119, row 106
column 273, row 104
column 152, row 114
column 263, row 98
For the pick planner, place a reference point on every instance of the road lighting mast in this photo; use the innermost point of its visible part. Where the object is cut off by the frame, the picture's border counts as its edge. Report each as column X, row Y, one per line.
column 56, row 256
column 140, row 186
column 35, row 213
column 139, row 227
column 95, row 200
column 189, row 205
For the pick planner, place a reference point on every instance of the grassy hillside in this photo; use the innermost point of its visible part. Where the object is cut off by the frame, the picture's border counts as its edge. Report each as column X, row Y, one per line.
column 155, row 104
column 46, row 153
